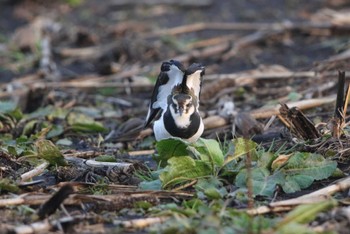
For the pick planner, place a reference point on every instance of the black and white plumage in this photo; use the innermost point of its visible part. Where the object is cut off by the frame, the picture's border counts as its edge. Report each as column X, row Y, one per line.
column 177, row 101
column 171, row 74
column 181, row 119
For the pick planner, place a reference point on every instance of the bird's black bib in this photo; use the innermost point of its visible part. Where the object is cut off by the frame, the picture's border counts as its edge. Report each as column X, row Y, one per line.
column 184, row 133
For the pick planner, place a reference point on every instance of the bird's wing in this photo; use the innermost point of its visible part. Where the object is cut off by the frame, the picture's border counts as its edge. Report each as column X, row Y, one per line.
column 171, row 74
column 193, row 78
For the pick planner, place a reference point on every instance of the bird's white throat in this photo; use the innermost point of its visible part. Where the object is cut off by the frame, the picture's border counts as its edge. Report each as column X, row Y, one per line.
column 184, row 120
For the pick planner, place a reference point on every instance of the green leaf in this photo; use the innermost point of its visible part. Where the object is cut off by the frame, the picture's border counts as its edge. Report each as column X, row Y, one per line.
column 7, row 106
column 306, row 213
column 210, row 151
column 151, row 185
column 182, row 169
column 8, row 185
column 211, row 187
column 242, row 147
column 55, row 131
column 88, row 127
column 48, row 151
column 314, row 165
column 303, row 168
column 296, row 183
column 41, row 112
column 29, row 127
column 265, row 159
column 105, row 158
column 263, row 183
column 64, row 142
column 83, row 123
column 293, row 227
column 170, row 148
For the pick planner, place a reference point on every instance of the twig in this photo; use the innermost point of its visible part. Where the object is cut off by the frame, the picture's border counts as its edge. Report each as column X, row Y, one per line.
column 82, row 154
column 44, row 226
column 263, row 113
column 120, row 200
column 204, row 53
column 214, row 122
column 347, row 99
column 36, row 171
column 93, row 163
column 142, row 223
column 183, row 3
column 141, row 152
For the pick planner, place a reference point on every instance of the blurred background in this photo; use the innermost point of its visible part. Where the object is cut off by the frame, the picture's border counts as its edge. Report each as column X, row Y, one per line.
column 256, row 52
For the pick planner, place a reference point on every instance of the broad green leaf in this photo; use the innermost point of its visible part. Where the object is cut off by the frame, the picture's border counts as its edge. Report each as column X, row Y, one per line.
column 8, row 185
column 301, row 169
column 314, row 165
column 92, row 127
column 82, row 123
column 29, row 127
column 105, row 158
column 55, row 131
column 151, row 185
column 294, row 183
column 48, row 151
column 64, row 142
column 242, row 147
column 170, row 148
column 265, row 159
column 293, row 228
column 263, row 183
column 41, row 112
column 15, row 150
column 17, row 114
column 181, row 169
column 210, row 151
column 211, row 187
column 7, row 106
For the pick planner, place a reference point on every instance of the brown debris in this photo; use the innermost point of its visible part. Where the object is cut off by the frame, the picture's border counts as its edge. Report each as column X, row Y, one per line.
column 298, row 123
column 337, row 122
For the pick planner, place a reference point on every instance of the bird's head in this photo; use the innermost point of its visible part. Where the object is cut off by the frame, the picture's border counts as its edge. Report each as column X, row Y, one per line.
column 182, row 105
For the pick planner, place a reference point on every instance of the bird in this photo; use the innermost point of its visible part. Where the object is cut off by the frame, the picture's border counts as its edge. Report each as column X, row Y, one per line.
column 181, row 119
column 176, row 102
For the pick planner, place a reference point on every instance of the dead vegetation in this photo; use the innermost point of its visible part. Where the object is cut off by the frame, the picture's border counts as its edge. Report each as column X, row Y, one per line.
column 75, row 80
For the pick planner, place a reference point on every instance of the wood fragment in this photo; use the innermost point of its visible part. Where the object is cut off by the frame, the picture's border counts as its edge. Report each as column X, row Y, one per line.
column 214, row 122
column 51, row 205
column 45, row 226
column 123, row 199
column 34, row 172
column 338, row 119
column 264, row 112
column 141, row 152
column 181, row 3
column 142, row 223
column 93, row 163
column 298, row 123
column 82, row 154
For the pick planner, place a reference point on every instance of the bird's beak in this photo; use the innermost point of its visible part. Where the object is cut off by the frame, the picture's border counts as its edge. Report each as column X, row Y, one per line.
column 181, row 110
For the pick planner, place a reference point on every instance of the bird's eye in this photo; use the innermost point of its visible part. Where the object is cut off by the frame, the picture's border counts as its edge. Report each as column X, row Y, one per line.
column 188, row 105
